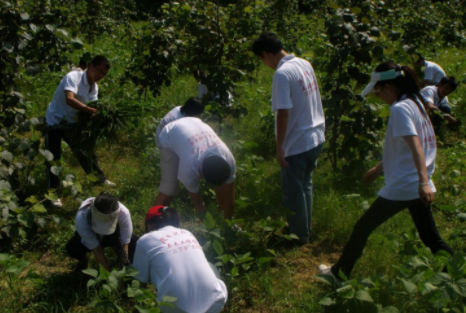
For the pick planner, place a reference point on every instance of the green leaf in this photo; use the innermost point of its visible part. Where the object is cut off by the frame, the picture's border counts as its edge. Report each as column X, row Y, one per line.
column 218, row 247
column 445, row 207
column 91, row 282
column 234, row 271
column 77, row 43
column 47, row 154
column 363, row 296
column 410, row 287
column 462, row 217
column 31, row 199
column 38, row 208
column 8, row 47
column 326, row 279
column 92, row 178
column 327, row 301
column 104, row 274
column 7, row 156
column 208, row 221
column 91, row 272
column 346, row 291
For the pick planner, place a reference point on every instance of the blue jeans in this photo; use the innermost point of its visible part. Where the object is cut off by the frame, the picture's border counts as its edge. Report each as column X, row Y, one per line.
column 297, row 189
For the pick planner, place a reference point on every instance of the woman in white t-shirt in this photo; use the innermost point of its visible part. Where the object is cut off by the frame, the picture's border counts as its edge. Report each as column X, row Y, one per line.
column 408, row 163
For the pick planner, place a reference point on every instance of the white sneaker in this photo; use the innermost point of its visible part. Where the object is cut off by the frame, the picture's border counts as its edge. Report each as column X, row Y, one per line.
column 326, row 270
column 109, row 183
column 57, row 203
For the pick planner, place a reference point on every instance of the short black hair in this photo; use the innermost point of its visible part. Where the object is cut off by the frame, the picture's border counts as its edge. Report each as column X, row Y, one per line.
column 82, row 62
column 449, row 80
column 100, row 59
column 169, row 217
column 267, row 42
column 192, row 107
column 106, row 203
column 199, row 74
column 215, row 170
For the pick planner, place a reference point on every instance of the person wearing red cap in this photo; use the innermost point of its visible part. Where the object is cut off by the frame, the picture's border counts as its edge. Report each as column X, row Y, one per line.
column 102, row 222
column 172, row 259
column 202, row 155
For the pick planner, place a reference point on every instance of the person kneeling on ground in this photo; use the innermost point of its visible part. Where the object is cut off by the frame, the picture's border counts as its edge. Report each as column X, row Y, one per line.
column 102, row 222
column 436, row 97
column 199, row 153
column 172, row 259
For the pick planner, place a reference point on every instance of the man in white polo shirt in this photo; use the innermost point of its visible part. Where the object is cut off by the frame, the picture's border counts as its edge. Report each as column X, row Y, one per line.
column 299, row 128
column 71, row 96
column 201, row 154
column 102, row 222
column 172, row 259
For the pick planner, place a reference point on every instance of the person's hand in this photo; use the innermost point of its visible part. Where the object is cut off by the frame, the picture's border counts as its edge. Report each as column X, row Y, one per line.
column 94, row 113
column 370, row 176
column 281, row 158
column 426, row 194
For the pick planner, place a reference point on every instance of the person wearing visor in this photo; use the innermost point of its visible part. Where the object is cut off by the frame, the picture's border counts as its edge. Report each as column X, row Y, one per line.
column 172, row 259
column 102, row 222
column 408, row 163
column 201, row 154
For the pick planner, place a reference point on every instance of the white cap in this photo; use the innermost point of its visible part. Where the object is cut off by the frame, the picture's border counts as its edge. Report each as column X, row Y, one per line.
column 104, row 224
column 376, row 77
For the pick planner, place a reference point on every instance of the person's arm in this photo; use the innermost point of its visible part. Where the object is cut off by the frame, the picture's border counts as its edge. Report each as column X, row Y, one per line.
column 282, row 124
column 372, row 174
column 225, row 195
column 425, row 192
column 197, row 200
column 431, row 107
column 76, row 104
column 100, row 257
column 450, row 118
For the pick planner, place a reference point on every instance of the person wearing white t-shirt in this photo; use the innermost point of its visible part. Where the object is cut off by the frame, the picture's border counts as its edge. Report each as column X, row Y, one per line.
column 408, row 163
column 299, row 128
column 433, row 72
column 201, row 154
column 203, row 93
column 102, row 222
column 436, row 97
column 173, row 261
column 71, row 96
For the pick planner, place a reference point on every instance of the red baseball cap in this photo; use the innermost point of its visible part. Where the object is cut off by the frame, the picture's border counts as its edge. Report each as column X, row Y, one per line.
column 155, row 211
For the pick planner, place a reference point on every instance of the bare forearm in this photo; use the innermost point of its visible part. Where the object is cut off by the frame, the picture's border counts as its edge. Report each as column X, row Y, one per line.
column 197, row 200
column 100, row 257
column 226, row 199
column 76, row 104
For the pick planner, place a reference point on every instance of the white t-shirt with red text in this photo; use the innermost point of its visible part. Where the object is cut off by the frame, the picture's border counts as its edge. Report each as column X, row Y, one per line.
column 192, row 140
column 172, row 259
column 173, row 115
column 401, row 175
column 295, row 88
column 76, row 82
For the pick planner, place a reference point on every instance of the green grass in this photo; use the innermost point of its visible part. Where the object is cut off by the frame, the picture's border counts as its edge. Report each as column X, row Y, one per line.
column 288, row 285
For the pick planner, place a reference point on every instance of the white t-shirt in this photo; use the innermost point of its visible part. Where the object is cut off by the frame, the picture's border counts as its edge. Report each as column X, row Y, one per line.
column 192, row 140
column 172, row 259
column 171, row 116
column 430, row 94
column 295, row 88
column 433, row 72
column 88, row 237
column 401, row 176
column 202, row 90
column 76, row 82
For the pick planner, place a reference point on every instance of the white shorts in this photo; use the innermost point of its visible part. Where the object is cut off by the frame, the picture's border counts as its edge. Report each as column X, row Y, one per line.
column 169, row 163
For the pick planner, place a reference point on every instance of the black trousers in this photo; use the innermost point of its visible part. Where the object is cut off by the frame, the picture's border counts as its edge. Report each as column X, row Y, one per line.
column 85, row 155
column 379, row 212
column 76, row 250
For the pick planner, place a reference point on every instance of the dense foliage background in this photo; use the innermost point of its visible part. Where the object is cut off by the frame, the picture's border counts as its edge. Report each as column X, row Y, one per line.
column 154, row 47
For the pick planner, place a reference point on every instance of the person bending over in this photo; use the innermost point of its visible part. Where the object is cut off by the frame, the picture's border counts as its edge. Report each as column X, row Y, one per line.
column 172, row 259
column 436, row 97
column 201, row 154
column 408, row 163
column 102, row 222
column 433, row 72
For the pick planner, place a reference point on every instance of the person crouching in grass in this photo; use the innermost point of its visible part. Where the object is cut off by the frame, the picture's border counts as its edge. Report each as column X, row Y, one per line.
column 172, row 259
column 102, row 222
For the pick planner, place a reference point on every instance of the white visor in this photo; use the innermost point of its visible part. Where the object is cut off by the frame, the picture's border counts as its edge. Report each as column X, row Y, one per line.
column 377, row 77
column 104, row 224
